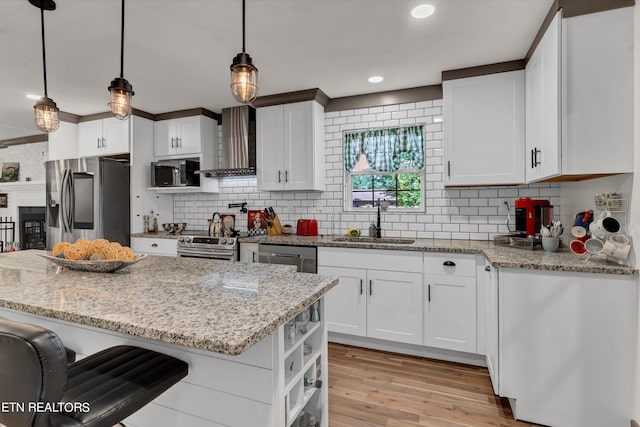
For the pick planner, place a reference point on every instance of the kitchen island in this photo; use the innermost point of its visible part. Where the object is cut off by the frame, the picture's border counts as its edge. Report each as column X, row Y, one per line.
column 225, row 319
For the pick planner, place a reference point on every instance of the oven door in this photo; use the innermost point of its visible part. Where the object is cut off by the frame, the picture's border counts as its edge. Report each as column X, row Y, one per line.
column 224, row 255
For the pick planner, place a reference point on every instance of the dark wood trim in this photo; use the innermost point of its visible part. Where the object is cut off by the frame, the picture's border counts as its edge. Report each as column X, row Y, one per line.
column 143, row 114
column 69, row 117
column 401, row 96
column 40, row 137
column 97, row 116
column 187, row 113
column 571, row 8
column 634, row 423
column 289, row 97
column 482, row 70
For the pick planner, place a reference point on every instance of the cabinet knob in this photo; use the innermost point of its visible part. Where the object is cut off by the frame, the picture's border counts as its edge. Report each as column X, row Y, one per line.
column 154, row 245
column 487, row 268
column 449, row 264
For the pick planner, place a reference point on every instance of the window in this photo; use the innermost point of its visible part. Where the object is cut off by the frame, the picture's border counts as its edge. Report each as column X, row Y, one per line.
column 384, row 165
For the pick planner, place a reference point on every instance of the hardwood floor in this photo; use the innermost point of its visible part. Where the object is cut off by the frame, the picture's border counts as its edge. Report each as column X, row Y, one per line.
column 375, row 388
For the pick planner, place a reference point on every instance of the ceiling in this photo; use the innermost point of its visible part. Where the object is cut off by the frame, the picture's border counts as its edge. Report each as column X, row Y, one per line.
column 178, row 52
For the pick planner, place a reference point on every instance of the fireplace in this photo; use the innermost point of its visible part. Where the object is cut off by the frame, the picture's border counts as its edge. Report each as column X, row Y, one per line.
column 33, row 231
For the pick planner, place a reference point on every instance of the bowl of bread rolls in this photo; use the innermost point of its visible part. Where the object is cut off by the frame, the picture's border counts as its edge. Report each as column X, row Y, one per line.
column 100, row 255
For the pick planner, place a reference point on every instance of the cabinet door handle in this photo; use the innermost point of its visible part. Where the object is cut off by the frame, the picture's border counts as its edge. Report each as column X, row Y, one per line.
column 98, row 143
column 286, row 176
column 449, row 168
column 370, row 287
column 154, row 245
column 536, row 151
column 533, row 161
column 253, row 256
column 429, row 293
column 360, row 286
column 104, row 142
column 178, row 142
column 449, row 264
column 279, row 176
column 172, row 142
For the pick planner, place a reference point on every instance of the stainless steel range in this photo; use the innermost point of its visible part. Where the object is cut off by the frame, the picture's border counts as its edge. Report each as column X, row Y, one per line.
column 223, row 248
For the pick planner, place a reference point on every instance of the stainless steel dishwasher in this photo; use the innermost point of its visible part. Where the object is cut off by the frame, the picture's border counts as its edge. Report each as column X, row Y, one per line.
column 303, row 257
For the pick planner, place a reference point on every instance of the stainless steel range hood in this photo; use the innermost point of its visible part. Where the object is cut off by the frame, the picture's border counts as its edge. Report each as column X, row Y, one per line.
column 238, row 142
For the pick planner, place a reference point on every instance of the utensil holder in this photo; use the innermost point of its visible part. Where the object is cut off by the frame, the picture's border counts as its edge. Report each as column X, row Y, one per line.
column 550, row 244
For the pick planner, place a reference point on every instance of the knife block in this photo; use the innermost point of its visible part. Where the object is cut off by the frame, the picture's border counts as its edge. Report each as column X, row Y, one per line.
column 273, row 226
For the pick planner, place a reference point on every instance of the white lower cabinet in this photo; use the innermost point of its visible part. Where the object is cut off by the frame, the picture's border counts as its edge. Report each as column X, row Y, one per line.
column 379, row 295
column 346, row 303
column 394, row 308
column 567, row 345
column 248, row 252
column 153, row 246
column 450, row 304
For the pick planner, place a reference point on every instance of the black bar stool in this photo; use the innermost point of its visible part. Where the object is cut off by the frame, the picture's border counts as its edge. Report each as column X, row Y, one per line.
column 98, row 391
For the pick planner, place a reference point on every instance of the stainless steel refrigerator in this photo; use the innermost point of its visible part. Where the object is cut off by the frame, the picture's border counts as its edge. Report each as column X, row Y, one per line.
column 87, row 198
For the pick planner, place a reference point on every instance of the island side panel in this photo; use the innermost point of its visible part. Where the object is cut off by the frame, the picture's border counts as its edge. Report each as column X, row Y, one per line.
column 220, row 390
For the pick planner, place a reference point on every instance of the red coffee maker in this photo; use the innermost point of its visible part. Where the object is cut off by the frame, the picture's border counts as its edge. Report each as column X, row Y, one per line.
column 531, row 215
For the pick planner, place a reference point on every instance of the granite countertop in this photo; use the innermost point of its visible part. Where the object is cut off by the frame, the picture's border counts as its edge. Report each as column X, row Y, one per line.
column 219, row 306
column 498, row 256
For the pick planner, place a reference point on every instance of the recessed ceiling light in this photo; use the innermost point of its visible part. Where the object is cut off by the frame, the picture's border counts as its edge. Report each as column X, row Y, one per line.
column 375, row 79
column 34, row 97
column 423, row 11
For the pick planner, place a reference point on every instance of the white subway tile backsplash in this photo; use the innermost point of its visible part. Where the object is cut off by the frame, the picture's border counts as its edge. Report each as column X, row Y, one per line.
column 456, row 213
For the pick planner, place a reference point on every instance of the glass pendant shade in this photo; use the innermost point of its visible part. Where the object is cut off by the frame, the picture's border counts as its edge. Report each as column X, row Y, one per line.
column 47, row 115
column 244, row 79
column 121, row 92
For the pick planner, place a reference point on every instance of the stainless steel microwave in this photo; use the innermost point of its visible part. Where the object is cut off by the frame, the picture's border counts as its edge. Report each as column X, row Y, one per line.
column 175, row 173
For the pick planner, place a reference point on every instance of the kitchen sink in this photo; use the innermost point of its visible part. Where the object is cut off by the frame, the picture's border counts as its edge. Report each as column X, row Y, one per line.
column 385, row 240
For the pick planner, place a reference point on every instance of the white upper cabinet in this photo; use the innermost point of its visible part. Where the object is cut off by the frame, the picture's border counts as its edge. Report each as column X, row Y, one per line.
column 484, row 129
column 290, row 147
column 183, row 136
column 103, row 136
column 543, row 105
column 63, row 143
column 580, row 98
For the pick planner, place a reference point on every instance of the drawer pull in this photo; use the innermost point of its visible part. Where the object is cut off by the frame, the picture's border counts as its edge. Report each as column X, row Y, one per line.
column 449, row 264
column 429, row 293
column 154, row 245
column 360, row 286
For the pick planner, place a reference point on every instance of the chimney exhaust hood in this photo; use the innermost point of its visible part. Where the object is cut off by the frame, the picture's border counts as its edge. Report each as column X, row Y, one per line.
column 238, row 143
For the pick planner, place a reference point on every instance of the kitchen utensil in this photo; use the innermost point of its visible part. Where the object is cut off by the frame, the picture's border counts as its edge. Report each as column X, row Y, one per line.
column 594, row 245
column 228, row 224
column 578, row 231
column 620, row 238
column 616, row 249
column 577, row 247
column 353, row 232
column 605, row 226
column 550, row 244
column 307, row 227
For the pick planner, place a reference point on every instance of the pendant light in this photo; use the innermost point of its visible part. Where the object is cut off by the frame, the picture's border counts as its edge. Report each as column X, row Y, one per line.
column 47, row 114
column 244, row 75
column 121, row 90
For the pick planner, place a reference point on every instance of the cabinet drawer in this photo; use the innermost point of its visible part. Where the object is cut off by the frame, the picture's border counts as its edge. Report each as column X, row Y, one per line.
column 450, row 264
column 154, row 246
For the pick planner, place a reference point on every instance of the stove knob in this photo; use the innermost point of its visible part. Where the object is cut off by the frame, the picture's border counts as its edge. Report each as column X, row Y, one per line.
column 223, row 241
column 180, row 239
column 187, row 239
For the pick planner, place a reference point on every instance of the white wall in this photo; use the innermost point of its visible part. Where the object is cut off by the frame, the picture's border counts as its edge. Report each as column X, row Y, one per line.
column 460, row 213
column 31, row 158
